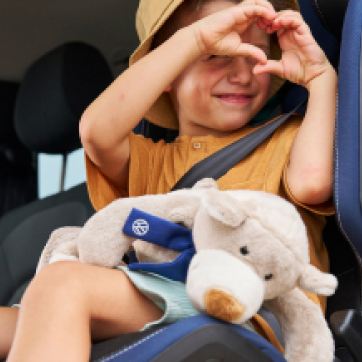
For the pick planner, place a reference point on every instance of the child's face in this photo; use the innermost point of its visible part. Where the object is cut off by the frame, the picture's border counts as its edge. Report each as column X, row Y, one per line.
column 216, row 95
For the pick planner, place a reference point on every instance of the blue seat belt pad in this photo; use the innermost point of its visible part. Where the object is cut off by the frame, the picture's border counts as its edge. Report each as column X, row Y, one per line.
column 165, row 233
column 162, row 339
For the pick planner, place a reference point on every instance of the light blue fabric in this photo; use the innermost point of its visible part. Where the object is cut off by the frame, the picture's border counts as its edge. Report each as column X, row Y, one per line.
column 169, row 295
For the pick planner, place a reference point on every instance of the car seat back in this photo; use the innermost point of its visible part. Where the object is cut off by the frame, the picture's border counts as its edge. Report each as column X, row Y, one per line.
column 348, row 185
column 347, row 323
column 53, row 95
column 17, row 166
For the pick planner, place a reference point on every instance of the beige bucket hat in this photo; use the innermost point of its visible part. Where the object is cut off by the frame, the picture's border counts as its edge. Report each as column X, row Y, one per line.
column 150, row 17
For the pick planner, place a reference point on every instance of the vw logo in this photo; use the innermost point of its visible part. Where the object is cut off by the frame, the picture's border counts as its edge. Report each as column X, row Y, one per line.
column 140, row 227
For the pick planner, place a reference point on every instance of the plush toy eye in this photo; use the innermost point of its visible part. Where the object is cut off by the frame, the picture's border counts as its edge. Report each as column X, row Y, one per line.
column 268, row 276
column 244, row 250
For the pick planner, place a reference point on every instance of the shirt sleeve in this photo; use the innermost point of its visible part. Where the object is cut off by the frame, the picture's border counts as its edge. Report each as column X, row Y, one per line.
column 101, row 190
column 326, row 209
column 142, row 166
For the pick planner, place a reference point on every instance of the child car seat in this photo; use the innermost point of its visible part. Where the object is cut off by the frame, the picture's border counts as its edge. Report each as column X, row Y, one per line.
column 344, row 308
column 348, row 175
column 201, row 338
column 48, row 108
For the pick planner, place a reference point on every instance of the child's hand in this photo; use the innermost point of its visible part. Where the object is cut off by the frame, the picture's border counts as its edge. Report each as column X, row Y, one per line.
column 219, row 33
column 302, row 59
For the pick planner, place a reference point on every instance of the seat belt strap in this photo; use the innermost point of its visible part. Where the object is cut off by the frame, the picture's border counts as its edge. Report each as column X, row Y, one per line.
column 220, row 162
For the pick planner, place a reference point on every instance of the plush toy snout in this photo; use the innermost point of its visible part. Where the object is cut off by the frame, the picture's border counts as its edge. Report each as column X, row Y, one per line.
column 223, row 286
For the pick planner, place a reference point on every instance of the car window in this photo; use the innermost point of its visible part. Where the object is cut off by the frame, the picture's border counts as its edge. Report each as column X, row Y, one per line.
column 49, row 172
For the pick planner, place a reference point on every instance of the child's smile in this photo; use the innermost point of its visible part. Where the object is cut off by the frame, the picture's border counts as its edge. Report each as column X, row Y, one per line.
column 235, row 98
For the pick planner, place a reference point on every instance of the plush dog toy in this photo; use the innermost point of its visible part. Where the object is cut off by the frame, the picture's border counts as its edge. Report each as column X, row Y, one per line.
column 251, row 249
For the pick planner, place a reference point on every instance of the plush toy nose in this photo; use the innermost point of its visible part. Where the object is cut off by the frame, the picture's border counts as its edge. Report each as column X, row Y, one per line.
column 224, row 306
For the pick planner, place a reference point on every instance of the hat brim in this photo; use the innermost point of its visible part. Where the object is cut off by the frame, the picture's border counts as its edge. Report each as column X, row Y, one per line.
column 162, row 112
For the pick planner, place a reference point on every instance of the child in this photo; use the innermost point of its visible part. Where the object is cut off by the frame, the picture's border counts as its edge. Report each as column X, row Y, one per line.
column 208, row 75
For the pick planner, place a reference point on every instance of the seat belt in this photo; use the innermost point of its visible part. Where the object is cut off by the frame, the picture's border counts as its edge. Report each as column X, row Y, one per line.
column 220, row 162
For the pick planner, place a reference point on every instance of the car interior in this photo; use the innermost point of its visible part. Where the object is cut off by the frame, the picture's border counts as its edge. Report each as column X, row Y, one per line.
column 56, row 59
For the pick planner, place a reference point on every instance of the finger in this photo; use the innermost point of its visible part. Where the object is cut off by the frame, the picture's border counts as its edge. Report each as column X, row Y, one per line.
column 289, row 12
column 251, row 51
column 250, row 12
column 263, row 24
column 271, row 66
column 289, row 18
column 265, row 3
column 286, row 20
column 290, row 24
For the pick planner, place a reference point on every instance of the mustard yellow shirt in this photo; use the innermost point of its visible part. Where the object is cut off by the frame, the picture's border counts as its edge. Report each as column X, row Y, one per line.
column 156, row 167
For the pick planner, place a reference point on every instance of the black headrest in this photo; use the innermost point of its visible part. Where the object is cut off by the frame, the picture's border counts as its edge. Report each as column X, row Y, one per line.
column 54, row 93
column 8, row 92
column 12, row 151
column 332, row 14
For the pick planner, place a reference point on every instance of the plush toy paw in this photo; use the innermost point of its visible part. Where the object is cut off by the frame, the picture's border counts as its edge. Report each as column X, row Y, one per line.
column 60, row 246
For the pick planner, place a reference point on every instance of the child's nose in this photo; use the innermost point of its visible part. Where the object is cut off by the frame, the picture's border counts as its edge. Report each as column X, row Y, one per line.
column 241, row 70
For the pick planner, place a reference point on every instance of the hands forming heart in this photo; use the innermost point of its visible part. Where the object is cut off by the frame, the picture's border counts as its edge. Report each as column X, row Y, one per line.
column 302, row 60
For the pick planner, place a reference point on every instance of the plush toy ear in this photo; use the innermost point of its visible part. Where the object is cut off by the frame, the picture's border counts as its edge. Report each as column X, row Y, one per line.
column 316, row 281
column 222, row 207
column 206, row 183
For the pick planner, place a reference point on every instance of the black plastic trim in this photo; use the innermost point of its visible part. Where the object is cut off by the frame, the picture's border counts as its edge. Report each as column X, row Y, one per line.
column 332, row 14
column 347, row 325
column 360, row 124
column 216, row 343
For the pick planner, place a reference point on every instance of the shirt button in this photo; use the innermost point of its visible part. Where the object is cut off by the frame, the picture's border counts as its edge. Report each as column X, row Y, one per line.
column 196, row 145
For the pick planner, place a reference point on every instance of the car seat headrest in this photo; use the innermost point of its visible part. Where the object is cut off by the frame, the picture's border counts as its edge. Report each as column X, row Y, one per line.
column 54, row 93
column 12, row 151
column 8, row 91
column 332, row 14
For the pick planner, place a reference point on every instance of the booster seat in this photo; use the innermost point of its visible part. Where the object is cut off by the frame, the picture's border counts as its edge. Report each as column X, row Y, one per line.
column 344, row 307
column 201, row 338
